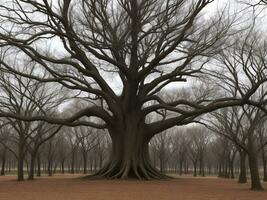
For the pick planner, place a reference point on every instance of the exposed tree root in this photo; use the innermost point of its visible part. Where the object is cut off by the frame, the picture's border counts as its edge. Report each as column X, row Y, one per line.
column 128, row 170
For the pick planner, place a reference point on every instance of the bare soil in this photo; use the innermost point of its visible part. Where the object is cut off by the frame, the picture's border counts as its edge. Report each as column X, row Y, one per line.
column 69, row 187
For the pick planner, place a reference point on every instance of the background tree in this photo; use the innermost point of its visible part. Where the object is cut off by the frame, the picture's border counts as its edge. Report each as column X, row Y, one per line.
column 27, row 97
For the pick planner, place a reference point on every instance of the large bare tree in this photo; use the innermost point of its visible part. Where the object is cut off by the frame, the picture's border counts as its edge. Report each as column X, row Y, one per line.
column 120, row 54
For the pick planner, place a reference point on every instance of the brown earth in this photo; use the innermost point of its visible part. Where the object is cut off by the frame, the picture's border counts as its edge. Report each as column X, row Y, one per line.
column 73, row 188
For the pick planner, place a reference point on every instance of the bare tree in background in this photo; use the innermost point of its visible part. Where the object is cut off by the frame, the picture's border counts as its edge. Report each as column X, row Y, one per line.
column 199, row 139
column 161, row 145
column 180, row 143
column 242, row 132
column 28, row 97
column 88, row 140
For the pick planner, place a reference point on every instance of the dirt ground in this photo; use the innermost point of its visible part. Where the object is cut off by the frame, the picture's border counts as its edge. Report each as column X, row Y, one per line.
column 72, row 188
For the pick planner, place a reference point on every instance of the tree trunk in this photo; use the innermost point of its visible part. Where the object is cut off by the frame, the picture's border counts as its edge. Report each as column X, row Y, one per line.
column 55, row 168
column 253, row 165
column 3, row 162
column 195, row 169
column 220, row 170
column 63, row 166
column 38, row 165
column 20, row 169
column 72, row 162
column 32, row 162
column 49, row 167
column 130, row 156
column 161, row 165
column 243, row 171
column 181, row 167
column 20, row 176
column 85, row 162
column 95, row 164
column 100, row 160
column 264, row 163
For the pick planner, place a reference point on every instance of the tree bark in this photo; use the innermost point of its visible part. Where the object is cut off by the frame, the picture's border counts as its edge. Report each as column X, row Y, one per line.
column 243, row 172
column 20, row 169
column 264, row 163
column 20, row 175
column 63, row 166
column 181, row 167
column 195, row 168
column 253, row 165
column 72, row 171
column 38, row 165
column 85, row 162
column 32, row 164
column 130, row 156
column 49, row 167
column 3, row 162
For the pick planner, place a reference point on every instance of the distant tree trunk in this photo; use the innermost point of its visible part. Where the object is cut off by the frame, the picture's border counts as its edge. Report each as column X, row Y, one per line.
column 49, row 167
column 91, row 165
column 185, row 167
column 100, row 160
column 20, row 176
column 161, row 164
column 3, row 161
column 243, row 171
column 95, row 164
column 195, row 168
column 55, row 168
column 231, row 167
column 181, row 167
column 32, row 164
column 72, row 162
column 84, row 162
column 201, row 166
column 63, row 166
column 38, row 165
column 231, row 164
column 264, row 163
column 220, row 170
column 253, row 165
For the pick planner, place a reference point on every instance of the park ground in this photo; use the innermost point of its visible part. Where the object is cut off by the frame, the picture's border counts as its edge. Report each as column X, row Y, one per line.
column 70, row 187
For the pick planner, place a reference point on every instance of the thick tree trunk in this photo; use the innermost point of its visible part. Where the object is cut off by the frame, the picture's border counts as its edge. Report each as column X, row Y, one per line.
column 253, row 165
column 243, row 171
column 129, row 157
